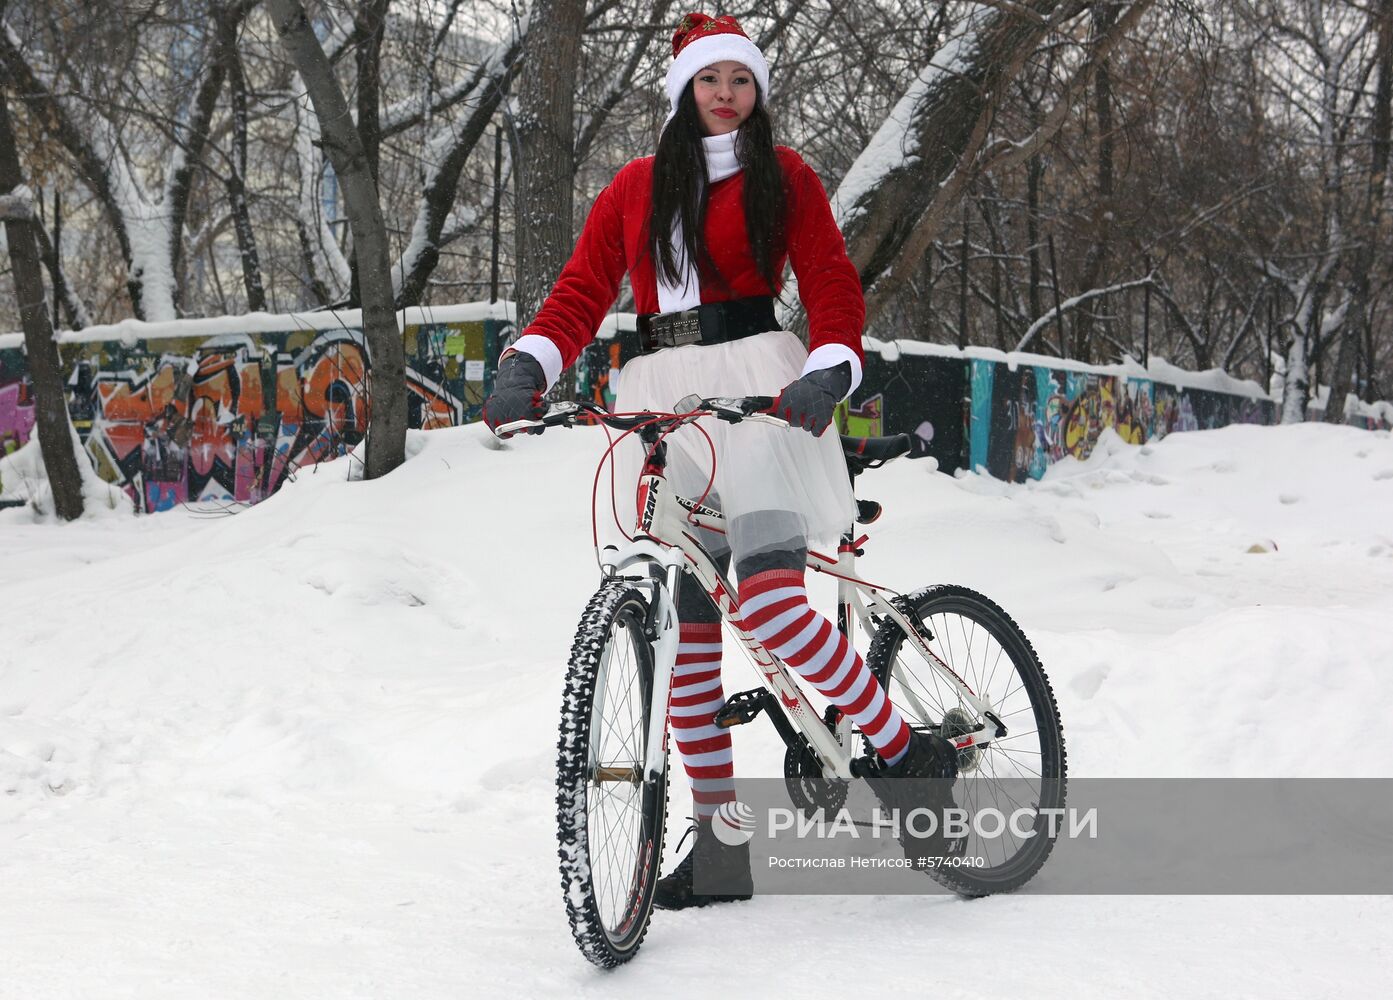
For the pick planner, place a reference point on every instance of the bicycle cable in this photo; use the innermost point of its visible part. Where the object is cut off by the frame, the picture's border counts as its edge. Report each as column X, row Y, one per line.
column 677, row 421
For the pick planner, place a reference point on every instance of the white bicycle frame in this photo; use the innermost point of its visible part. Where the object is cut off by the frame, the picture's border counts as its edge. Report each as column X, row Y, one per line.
column 663, row 537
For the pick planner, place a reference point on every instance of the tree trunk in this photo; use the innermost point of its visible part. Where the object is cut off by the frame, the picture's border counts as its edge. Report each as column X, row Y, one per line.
column 450, row 150
column 941, row 123
column 386, row 444
column 543, row 161
column 1095, row 259
column 237, row 176
column 891, row 207
column 1355, row 330
column 51, row 408
column 74, row 310
column 369, row 27
column 1035, row 172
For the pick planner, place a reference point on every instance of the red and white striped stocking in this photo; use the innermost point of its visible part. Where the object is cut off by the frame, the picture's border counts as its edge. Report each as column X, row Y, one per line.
column 775, row 610
column 696, row 695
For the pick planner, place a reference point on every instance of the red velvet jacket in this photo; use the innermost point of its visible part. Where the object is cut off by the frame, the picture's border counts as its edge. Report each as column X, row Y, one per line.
column 612, row 242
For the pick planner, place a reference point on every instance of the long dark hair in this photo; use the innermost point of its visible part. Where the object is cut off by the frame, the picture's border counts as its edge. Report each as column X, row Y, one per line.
column 680, row 183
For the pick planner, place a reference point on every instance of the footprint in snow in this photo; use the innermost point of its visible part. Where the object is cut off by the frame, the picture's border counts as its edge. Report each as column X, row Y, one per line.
column 1383, row 474
column 1086, row 683
column 1288, row 498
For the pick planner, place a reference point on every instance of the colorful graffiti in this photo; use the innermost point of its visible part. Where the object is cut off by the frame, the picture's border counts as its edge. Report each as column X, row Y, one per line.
column 16, row 413
column 865, row 419
column 231, row 418
column 918, row 394
column 1026, row 419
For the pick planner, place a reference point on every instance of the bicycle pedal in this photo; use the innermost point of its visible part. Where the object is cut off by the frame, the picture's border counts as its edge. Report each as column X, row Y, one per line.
column 742, row 707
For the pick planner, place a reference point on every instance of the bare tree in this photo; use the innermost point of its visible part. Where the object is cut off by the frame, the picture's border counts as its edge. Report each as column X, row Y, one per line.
column 56, row 437
column 544, row 149
column 1356, row 333
column 908, row 180
column 58, row 83
column 386, row 440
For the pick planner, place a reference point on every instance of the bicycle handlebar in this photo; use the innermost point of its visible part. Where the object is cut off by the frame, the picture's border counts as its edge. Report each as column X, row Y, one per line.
column 732, row 409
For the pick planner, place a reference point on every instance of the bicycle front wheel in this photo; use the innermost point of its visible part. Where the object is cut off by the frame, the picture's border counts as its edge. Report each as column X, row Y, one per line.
column 1019, row 775
column 609, row 819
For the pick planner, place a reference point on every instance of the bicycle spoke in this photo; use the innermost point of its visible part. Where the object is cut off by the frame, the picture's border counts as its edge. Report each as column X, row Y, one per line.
column 973, row 641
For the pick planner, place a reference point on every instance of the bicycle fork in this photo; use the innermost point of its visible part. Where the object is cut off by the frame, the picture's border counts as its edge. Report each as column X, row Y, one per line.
column 664, row 635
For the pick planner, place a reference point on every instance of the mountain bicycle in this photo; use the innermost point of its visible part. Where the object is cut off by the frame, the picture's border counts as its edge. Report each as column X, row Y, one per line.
column 938, row 651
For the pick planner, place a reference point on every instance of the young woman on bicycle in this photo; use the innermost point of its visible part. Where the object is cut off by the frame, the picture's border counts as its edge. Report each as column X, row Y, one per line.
column 703, row 229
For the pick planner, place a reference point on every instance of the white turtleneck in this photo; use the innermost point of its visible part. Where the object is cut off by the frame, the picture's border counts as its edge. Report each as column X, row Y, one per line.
column 686, row 294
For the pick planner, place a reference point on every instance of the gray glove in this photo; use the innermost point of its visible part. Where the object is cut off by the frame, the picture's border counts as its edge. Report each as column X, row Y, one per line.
column 808, row 402
column 517, row 391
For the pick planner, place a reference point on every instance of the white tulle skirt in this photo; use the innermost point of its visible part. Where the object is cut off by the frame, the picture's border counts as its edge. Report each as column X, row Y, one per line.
column 774, row 485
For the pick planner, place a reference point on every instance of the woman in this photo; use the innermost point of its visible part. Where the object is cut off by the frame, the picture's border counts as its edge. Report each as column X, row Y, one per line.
column 707, row 224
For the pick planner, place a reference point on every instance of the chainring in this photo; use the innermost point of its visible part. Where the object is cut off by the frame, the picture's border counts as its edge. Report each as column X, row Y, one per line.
column 807, row 788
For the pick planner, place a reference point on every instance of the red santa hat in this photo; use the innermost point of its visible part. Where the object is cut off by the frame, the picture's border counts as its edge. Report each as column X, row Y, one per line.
column 702, row 40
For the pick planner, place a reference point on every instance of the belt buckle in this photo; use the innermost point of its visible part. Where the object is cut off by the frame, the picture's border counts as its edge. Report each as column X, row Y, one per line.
column 681, row 328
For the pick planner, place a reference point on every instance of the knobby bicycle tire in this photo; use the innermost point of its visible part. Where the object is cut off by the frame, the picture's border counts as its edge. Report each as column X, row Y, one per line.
column 607, row 928
column 950, row 603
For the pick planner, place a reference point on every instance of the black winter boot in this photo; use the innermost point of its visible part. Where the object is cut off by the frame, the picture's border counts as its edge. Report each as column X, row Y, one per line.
column 922, row 779
column 730, row 864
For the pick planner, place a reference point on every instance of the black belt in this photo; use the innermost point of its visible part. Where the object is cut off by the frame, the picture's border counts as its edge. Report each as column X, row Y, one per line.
column 709, row 323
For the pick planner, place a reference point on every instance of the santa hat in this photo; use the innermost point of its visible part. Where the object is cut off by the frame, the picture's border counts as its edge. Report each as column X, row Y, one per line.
column 700, row 41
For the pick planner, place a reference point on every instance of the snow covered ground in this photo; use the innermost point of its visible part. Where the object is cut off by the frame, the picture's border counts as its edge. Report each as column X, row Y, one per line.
column 306, row 751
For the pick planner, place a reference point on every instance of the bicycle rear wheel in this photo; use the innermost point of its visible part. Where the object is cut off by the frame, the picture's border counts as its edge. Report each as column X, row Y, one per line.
column 609, row 819
column 1022, row 773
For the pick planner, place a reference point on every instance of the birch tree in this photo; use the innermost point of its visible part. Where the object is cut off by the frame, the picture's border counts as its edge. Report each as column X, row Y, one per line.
column 1316, row 66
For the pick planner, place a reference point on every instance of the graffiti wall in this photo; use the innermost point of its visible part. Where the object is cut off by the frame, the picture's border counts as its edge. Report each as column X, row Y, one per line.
column 229, row 417
column 1024, row 419
column 16, row 402
column 975, row 413
column 922, row 395
column 915, row 394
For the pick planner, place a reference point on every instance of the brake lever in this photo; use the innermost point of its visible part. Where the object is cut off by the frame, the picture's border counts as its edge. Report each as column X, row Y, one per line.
column 561, row 414
column 737, row 408
column 725, row 408
column 504, row 431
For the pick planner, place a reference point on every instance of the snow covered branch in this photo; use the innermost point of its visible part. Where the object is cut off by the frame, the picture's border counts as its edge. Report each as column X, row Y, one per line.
column 1070, row 304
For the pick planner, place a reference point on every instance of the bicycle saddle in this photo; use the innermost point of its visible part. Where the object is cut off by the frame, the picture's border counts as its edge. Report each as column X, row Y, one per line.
column 864, row 453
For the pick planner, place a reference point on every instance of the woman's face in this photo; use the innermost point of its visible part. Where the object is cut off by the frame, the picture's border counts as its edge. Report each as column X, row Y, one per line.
column 725, row 96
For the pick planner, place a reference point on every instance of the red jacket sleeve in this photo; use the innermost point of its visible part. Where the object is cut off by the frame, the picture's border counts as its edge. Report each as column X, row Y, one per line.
column 828, row 284
column 589, row 283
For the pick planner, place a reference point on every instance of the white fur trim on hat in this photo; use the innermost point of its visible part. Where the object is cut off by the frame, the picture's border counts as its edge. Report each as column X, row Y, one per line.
column 703, row 52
